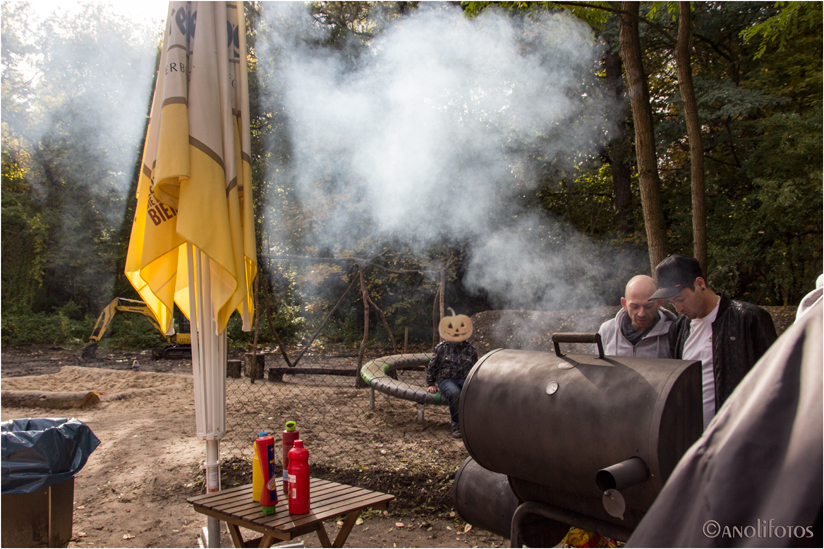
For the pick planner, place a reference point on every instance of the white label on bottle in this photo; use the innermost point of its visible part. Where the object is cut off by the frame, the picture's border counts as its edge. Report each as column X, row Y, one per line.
column 292, row 478
column 212, row 477
column 294, row 492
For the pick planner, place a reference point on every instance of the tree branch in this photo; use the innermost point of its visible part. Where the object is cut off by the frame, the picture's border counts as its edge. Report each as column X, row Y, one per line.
column 616, row 11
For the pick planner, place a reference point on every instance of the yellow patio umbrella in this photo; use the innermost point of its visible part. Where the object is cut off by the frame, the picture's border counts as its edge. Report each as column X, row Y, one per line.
column 192, row 241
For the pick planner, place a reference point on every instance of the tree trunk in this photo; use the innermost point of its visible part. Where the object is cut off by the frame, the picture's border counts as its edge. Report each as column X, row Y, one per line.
column 385, row 325
column 648, row 180
column 619, row 147
column 684, row 65
column 40, row 399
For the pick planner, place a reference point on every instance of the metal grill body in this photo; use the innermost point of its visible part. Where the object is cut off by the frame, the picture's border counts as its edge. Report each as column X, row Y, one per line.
column 552, row 422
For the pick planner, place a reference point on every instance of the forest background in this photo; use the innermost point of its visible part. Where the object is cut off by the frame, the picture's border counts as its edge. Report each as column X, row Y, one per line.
column 635, row 179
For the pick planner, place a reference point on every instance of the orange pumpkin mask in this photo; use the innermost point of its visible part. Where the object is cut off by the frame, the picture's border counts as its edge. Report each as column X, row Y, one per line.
column 455, row 328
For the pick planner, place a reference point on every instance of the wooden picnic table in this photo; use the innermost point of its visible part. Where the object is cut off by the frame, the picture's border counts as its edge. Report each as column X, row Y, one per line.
column 327, row 500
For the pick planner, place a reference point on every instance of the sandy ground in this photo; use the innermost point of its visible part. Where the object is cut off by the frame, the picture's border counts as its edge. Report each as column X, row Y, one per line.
column 132, row 492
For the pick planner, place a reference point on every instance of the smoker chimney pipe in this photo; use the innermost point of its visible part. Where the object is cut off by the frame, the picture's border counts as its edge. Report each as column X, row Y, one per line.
column 622, row 475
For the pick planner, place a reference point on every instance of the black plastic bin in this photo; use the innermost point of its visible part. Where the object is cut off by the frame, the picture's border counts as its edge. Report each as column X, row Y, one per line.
column 39, row 460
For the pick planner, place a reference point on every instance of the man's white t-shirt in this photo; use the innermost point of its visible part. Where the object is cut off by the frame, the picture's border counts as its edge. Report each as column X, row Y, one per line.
column 699, row 347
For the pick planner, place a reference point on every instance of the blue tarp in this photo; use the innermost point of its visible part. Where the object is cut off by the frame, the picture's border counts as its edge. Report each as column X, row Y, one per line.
column 41, row 452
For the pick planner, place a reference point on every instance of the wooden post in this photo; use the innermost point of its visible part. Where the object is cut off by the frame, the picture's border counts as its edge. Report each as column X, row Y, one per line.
column 420, row 412
column 233, row 368
column 255, row 364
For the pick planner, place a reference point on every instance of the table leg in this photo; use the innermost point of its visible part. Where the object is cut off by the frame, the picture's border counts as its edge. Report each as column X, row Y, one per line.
column 266, row 541
column 322, row 535
column 348, row 524
column 237, row 538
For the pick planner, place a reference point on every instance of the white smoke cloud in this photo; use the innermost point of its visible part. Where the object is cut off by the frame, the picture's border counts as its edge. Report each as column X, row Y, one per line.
column 427, row 136
column 77, row 86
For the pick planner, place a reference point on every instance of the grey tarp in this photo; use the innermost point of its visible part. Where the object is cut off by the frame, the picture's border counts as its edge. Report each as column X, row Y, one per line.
column 755, row 476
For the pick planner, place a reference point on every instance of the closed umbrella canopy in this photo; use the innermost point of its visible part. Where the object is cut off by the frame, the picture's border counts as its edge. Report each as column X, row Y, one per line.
column 195, row 182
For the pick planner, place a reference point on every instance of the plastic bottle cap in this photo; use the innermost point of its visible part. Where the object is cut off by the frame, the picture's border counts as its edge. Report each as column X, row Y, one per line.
column 298, row 444
column 263, row 434
column 290, row 425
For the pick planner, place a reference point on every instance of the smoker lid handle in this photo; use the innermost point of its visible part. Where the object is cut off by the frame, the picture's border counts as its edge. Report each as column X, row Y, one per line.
column 575, row 337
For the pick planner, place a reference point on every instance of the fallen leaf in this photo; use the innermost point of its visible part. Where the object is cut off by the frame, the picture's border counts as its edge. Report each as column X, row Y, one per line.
column 386, row 513
column 359, row 521
column 398, row 525
column 128, row 536
column 81, row 534
column 452, row 514
column 339, row 523
column 467, row 528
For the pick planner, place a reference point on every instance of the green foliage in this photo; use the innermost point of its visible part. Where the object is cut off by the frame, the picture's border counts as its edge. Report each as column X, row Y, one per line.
column 132, row 331
column 41, row 328
column 791, row 19
column 24, row 241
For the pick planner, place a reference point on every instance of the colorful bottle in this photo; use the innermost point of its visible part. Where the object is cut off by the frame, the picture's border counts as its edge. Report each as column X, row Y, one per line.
column 290, row 435
column 266, row 458
column 298, row 479
column 257, row 478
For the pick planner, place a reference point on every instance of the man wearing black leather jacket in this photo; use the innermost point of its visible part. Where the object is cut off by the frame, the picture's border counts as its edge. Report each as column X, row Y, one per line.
column 727, row 336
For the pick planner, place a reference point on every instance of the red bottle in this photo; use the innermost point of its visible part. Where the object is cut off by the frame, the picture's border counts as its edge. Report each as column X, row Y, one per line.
column 298, row 479
column 290, row 435
column 266, row 457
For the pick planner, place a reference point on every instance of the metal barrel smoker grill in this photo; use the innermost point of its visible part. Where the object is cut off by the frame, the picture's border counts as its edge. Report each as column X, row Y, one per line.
column 558, row 440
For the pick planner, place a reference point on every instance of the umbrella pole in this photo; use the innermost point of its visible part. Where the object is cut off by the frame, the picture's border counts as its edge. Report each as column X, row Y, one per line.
column 212, row 456
column 206, row 349
column 215, row 377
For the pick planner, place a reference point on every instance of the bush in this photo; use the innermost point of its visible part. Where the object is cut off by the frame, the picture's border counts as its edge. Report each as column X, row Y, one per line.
column 131, row 331
column 44, row 329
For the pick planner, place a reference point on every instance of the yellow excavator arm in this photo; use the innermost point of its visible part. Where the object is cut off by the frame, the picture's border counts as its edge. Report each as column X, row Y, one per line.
column 104, row 321
column 178, row 341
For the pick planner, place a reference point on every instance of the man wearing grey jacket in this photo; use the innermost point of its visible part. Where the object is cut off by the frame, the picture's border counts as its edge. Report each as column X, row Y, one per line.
column 641, row 327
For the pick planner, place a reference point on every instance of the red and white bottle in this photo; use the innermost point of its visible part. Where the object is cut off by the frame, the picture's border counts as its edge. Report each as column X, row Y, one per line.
column 298, row 479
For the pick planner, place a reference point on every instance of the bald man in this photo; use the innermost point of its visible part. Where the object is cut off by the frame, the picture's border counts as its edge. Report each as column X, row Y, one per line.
column 641, row 327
